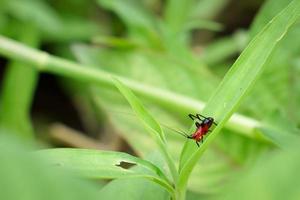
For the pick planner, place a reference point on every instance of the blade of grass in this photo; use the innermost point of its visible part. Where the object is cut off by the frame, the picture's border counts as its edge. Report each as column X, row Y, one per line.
column 141, row 112
column 141, row 23
column 237, row 82
column 176, row 14
column 203, row 24
column 18, row 88
column 151, row 125
column 44, row 14
column 208, row 9
column 269, row 9
column 103, row 164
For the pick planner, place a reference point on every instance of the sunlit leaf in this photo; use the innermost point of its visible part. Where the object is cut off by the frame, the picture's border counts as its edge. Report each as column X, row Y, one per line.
column 274, row 177
column 239, row 80
column 103, row 164
column 25, row 177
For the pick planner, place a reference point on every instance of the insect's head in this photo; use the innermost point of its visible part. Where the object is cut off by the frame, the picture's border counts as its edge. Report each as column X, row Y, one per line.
column 208, row 121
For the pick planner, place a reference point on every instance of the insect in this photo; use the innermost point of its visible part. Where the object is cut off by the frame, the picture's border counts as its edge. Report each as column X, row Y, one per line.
column 202, row 127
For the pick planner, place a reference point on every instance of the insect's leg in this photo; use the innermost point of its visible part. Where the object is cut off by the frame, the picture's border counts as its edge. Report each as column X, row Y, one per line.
column 215, row 123
column 193, row 117
column 198, row 124
column 197, row 144
column 199, row 116
column 190, row 137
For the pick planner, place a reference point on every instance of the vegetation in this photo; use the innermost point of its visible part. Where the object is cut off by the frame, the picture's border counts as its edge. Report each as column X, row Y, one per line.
column 131, row 69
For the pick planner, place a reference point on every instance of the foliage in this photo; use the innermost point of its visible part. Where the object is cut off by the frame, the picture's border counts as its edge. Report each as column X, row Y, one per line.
column 26, row 176
column 143, row 49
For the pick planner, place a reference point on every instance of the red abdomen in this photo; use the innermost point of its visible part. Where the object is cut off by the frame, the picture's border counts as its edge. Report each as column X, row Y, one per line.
column 200, row 132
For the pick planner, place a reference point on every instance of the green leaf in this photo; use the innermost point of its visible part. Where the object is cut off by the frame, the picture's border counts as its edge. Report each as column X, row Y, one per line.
column 275, row 176
column 218, row 162
column 18, row 89
column 132, row 12
column 269, row 9
column 276, row 90
column 176, row 14
column 216, row 166
column 181, row 16
column 207, row 9
column 135, row 188
column 103, row 164
column 74, row 28
column 142, row 25
column 280, row 130
column 203, row 24
column 44, row 16
column 25, row 177
column 150, row 124
column 238, row 81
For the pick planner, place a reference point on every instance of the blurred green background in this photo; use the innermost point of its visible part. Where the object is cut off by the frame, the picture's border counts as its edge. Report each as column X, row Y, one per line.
column 183, row 47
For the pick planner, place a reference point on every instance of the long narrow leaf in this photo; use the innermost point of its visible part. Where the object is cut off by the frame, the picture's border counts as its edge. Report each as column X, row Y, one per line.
column 141, row 112
column 103, row 164
column 150, row 124
column 18, row 89
column 238, row 81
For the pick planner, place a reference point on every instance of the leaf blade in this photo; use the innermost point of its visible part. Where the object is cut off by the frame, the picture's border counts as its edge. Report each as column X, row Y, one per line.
column 141, row 112
column 239, row 80
column 150, row 124
column 102, row 164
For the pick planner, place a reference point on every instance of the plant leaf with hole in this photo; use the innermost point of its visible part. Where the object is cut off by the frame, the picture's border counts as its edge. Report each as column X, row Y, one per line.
column 103, row 164
column 136, row 189
column 238, row 81
column 150, row 124
column 215, row 166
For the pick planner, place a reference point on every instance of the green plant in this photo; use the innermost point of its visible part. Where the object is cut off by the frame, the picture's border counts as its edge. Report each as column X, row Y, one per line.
column 161, row 47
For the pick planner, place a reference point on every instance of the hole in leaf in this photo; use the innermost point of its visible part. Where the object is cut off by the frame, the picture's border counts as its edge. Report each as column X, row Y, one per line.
column 125, row 165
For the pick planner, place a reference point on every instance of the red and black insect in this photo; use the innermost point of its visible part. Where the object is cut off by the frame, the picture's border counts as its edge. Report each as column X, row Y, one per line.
column 202, row 127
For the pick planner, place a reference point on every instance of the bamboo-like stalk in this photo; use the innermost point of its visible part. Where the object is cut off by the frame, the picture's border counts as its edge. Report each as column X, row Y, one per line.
column 18, row 88
column 45, row 62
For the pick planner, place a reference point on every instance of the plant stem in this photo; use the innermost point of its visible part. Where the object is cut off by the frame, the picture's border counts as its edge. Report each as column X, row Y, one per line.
column 18, row 88
column 180, row 193
column 55, row 65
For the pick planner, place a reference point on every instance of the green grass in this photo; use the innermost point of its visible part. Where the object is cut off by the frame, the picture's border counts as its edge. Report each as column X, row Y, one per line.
column 18, row 89
column 163, row 80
